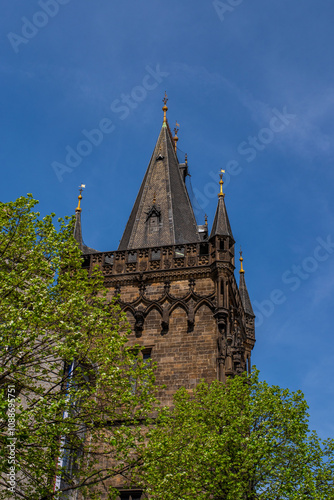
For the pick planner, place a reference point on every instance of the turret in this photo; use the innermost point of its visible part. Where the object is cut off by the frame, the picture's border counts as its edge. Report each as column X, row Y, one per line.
column 249, row 314
column 221, row 236
column 77, row 232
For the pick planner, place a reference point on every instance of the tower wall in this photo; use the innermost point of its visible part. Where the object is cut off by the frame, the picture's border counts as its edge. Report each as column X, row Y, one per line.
column 184, row 353
column 177, row 284
column 184, row 308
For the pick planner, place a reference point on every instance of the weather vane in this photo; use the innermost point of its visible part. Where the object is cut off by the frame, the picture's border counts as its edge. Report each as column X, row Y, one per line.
column 81, row 188
column 221, row 182
column 165, row 108
column 241, row 261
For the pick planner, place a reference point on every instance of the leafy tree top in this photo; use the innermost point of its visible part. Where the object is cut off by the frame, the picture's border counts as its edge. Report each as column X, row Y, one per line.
column 243, row 440
column 64, row 351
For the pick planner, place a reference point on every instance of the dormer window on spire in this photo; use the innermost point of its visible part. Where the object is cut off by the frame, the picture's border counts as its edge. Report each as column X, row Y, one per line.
column 153, row 219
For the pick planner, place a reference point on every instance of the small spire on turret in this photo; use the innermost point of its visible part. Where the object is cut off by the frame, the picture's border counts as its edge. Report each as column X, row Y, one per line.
column 221, row 182
column 221, row 224
column 241, row 261
column 206, row 220
column 165, row 109
column 175, row 138
column 81, row 188
column 186, row 159
column 247, row 305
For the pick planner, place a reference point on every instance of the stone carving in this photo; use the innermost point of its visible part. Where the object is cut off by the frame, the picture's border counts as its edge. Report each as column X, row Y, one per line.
column 155, row 264
column 191, row 261
column 165, row 321
column 131, row 268
column 139, row 323
column 143, row 266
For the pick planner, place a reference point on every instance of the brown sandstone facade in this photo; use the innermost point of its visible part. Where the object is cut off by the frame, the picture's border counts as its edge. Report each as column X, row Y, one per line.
column 176, row 281
column 185, row 309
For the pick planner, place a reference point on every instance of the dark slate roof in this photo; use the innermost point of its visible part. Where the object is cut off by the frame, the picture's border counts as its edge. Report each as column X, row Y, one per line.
column 244, row 296
column 221, row 224
column 77, row 233
column 164, row 189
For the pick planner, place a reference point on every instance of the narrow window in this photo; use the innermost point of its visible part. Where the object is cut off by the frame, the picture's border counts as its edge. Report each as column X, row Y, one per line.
column 155, row 255
column 147, row 354
column 108, row 260
column 179, row 252
column 154, row 224
column 204, row 249
column 132, row 257
column 85, row 261
column 130, row 495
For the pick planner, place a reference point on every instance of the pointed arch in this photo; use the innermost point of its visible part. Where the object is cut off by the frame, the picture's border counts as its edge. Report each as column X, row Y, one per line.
column 152, row 307
column 203, row 302
column 180, row 305
column 130, row 309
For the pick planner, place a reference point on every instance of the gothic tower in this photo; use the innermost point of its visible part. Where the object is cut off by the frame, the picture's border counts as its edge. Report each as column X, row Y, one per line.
column 176, row 281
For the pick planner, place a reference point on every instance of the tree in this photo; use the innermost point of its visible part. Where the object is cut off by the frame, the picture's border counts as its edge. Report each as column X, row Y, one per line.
column 69, row 413
column 241, row 441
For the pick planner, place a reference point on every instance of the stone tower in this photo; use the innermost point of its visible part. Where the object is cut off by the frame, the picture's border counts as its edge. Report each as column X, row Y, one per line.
column 176, row 281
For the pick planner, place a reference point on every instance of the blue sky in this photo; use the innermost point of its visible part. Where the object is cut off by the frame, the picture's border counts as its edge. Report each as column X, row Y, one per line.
column 251, row 84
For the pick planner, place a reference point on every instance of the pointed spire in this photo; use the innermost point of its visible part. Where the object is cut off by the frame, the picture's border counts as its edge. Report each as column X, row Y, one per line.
column 221, row 224
column 164, row 108
column 81, row 188
column 247, row 305
column 176, row 223
column 175, row 138
column 77, row 232
column 241, row 261
column 221, row 182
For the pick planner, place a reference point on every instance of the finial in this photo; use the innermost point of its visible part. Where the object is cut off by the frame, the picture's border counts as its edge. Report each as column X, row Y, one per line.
column 206, row 220
column 186, row 159
column 165, row 109
column 154, row 198
column 175, row 138
column 241, row 261
column 81, row 188
column 221, row 182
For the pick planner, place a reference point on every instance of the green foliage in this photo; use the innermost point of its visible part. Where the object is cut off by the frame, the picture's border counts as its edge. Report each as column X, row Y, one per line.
column 241, row 441
column 63, row 349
